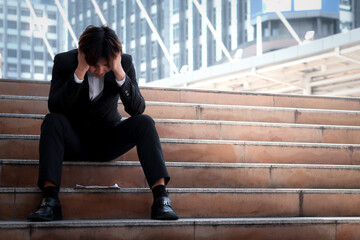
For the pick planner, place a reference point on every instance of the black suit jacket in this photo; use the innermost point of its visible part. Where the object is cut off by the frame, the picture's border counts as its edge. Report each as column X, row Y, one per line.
column 72, row 99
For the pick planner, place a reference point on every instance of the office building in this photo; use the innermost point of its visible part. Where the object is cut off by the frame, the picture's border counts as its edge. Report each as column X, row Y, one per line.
column 23, row 52
column 184, row 31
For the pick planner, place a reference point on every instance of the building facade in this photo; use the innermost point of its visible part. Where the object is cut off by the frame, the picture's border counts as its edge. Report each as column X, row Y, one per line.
column 179, row 24
column 182, row 28
column 23, row 52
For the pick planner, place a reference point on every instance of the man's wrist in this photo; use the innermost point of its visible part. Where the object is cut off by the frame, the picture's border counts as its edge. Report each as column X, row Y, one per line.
column 77, row 80
column 119, row 75
column 120, row 82
column 80, row 74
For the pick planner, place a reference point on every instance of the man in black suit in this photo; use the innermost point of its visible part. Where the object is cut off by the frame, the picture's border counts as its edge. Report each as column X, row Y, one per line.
column 85, row 125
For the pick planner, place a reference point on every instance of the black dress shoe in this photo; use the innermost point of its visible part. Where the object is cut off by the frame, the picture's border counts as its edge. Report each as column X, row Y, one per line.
column 162, row 209
column 49, row 210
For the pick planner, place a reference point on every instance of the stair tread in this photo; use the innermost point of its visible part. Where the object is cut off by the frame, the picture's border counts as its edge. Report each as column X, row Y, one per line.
column 209, row 122
column 208, row 105
column 105, row 189
column 182, row 221
column 177, row 89
column 191, row 164
column 209, row 141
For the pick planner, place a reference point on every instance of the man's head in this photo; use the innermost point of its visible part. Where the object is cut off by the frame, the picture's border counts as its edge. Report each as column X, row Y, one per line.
column 99, row 45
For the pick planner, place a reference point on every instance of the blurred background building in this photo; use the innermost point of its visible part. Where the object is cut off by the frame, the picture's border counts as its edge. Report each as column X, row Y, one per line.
column 196, row 34
column 24, row 54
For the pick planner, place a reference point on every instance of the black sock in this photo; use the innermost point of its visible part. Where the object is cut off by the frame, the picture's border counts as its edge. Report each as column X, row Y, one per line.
column 159, row 191
column 51, row 191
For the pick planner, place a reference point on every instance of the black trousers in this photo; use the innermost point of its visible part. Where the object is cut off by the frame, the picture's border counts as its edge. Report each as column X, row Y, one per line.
column 59, row 142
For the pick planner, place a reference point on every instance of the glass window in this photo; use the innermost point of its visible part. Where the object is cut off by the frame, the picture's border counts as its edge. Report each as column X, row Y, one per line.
column 52, row 43
column 11, row 10
column 39, row 56
column 11, row 24
column 25, row 26
column 199, row 56
column 143, row 53
column 176, row 33
column 38, row 42
column 12, row 39
column 25, row 40
column 39, row 69
column 153, row 74
column 11, row 67
column 345, row 2
column 52, row 29
column 200, row 26
column 12, row 53
column 51, row 15
column 175, row 6
column 143, row 27
column 25, row 54
column 214, row 17
column 39, row 13
column 25, row 12
column 25, row 68
column 177, row 59
column 1, row 23
column 154, row 50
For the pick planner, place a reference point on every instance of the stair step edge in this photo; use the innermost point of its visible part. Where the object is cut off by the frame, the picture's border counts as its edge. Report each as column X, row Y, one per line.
column 106, row 189
column 209, row 122
column 191, row 164
column 180, row 222
column 219, row 106
column 208, row 141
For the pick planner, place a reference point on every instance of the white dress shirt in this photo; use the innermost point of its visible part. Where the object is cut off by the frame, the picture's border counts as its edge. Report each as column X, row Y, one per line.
column 96, row 85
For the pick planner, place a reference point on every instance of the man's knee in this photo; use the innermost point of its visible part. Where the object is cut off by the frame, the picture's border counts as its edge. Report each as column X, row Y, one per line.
column 145, row 120
column 54, row 120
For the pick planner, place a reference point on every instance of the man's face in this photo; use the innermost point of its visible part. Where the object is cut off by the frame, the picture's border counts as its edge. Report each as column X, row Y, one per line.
column 101, row 67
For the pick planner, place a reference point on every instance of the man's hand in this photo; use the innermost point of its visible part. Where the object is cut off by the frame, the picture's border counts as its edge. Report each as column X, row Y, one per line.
column 116, row 67
column 82, row 67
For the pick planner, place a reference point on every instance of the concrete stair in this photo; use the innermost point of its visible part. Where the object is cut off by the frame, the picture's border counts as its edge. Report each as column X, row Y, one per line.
column 243, row 166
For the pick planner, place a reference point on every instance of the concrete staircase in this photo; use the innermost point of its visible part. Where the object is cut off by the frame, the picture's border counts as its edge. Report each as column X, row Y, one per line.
column 243, row 166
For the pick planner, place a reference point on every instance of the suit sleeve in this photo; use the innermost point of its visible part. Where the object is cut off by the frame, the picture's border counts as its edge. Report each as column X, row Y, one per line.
column 63, row 90
column 130, row 95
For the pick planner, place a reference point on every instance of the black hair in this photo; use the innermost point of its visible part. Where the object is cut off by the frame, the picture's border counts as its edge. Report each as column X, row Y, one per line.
column 99, row 42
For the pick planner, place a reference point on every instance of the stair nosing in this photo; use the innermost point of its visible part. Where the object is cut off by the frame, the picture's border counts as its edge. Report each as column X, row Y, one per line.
column 156, row 103
column 211, row 122
column 23, row 97
column 208, row 141
column 178, row 89
column 181, row 222
column 190, row 164
column 107, row 190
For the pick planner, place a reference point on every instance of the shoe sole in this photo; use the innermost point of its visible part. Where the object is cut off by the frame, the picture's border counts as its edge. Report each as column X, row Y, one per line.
column 57, row 216
column 165, row 216
column 38, row 219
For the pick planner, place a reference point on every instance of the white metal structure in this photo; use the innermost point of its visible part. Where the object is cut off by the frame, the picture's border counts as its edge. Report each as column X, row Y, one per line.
column 41, row 29
column 216, row 34
column 327, row 66
column 158, row 38
column 98, row 11
column 68, row 26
